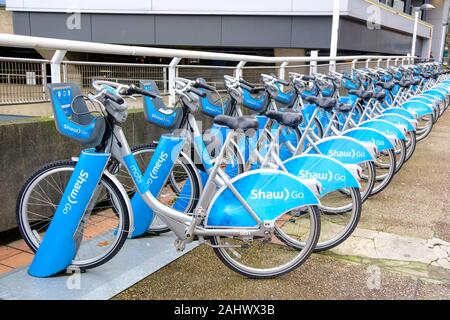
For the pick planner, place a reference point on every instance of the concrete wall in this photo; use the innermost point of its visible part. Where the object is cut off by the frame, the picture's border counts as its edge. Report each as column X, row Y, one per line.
column 24, row 147
column 6, row 21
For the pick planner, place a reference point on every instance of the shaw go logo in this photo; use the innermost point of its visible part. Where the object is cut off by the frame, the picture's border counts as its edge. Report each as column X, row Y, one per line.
column 321, row 176
column 73, row 196
column 284, row 195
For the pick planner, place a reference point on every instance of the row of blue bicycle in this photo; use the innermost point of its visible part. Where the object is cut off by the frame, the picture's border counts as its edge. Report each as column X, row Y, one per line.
column 281, row 169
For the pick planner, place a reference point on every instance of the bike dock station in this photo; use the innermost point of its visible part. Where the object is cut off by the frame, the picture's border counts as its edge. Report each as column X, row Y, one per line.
column 380, row 134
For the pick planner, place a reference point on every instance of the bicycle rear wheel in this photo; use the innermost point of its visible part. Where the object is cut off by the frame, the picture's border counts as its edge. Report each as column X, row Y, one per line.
column 101, row 233
column 262, row 259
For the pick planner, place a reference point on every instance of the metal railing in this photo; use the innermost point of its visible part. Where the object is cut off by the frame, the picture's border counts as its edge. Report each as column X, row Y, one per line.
column 23, row 80
column 83, row 73
column 29, row 77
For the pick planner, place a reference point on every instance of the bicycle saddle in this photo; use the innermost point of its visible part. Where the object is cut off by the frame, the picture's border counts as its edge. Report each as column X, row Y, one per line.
column 403, row 84
column 288, row 119
column 324, row 103
column 385, row 85
column 344, row 107
column 237, row 123
column 380, row 96
column 362, row 94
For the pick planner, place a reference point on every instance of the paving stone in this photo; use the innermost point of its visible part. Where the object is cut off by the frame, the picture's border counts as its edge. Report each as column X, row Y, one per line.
column 18, row 260
column 444, row 263
column 403, row 249
column 440, row 252
column 436, row 241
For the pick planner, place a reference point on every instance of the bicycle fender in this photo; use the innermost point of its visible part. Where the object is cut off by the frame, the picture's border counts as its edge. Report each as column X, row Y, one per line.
column 344, row 149
column 58, row 247
column 368, row 135
column 400, row 111
column 386, row 128
column 270, row 193
column 419, row 108
column 154, row 178
column 396, row 119
column 331, row 174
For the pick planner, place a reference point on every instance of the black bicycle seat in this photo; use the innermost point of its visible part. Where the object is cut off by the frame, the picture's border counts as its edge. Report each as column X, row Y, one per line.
column 380, row 96
column 288, row 119
column 237, row 123
column 385, row 85
column 344, row 107
column 324, row 103
column 362, row 94
column 403, row 84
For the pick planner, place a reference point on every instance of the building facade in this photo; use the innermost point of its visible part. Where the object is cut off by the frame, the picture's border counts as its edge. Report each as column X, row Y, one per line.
column 275, row 27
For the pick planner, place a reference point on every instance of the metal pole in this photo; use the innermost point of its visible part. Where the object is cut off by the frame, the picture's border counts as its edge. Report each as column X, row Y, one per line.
column 416, row 22
column 313, row 63
column 282, row 72
column 354, row 64
column 44, row 79
column 334, row 34
column 239, row 67
column 367, row 63
column 172, row 75
column 55, row 65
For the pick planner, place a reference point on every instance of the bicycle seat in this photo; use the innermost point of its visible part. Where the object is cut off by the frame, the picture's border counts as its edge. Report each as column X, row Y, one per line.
column 403, row 84
column 380, row 96
column 385, row 85
column 344, row 107
column 288, row 119
column 362, row 94
column 324, row 103
column 156, row 112
column 237, row 123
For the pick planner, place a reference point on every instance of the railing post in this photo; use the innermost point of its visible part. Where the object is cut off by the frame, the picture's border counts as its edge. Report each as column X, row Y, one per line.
column 282, row 72
column 388, row 62
column 165, row 79
column 55, row 65
column 65, row 73
column 379, row 62
column 313, row 63
column 354, row 64
column 367, row 63
column 335, row 33
column 403, row 61
column 44, row 79
column 410, row 58
column 172, row 75
column 396, row 61
column 238, row 70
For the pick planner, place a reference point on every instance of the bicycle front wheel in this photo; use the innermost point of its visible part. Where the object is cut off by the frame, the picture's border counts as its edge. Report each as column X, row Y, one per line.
column 101, row 232
column 260, row 258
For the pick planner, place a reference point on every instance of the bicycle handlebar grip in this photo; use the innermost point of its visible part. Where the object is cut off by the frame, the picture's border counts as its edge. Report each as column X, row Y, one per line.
column 113, row 97
column 246, row 87
column 198, row 92
column 248, row 84
column 283, row 82
column 134, row 89
column 205, row 86
column 308, row 78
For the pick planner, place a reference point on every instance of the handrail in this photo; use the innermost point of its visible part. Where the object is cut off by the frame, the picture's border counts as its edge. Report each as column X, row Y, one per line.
column 90, row 47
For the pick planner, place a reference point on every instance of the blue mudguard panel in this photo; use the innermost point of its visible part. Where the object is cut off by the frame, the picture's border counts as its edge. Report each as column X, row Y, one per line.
column 386, row 128
column 368, row 135
column 270, row 193
column 397, row 119
column 419, row 108
column 58, row 248
column 332, row 174
column 344, row 149
column 400, row 111
column 154, row 178
column 435, row 93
